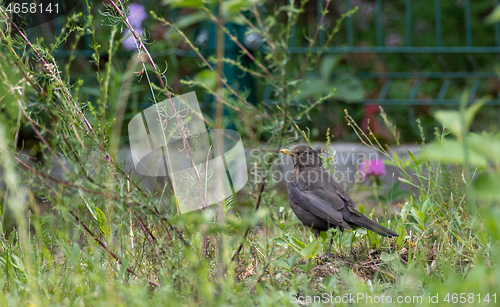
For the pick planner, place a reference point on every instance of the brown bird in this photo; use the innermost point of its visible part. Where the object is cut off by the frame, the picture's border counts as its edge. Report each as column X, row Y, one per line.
column 319, row 201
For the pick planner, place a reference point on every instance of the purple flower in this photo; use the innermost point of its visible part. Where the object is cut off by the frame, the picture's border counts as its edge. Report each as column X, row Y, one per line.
column 137, row 15
column 129, row 42
column 393, row 39
column 372, row 168
column 366, row 10
column 135, row 18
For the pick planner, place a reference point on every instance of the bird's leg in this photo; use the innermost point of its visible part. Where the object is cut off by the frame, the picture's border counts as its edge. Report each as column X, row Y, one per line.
column 330, row 247
column 316, row 235
column 316, row 232
column 329, row 252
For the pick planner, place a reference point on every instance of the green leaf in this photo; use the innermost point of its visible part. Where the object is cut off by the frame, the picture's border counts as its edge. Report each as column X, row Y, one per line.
column 482, row 238
column 294, row 242
column 349, row 88
column 292, row 260
column 452, row 151
column 419, row 217
column 233, row 7
column 404, row 211
column 191, row 19
column 450, row 120
column 413, row 158
column 486, row 186
column 194, row 4
column 386, row 257
column 328, row 65
column 408, row 182
column 312, row 250
column 97, row 214
column 487, row 144
column 288, row 264
column 8, row 96
column 307, row 267
column 472, row 110
column 281, row 242
column 402, row 222
column 329, row 282
column 494, row 16
column 89, row 204
column 282, row 263
column 103, row 221
column 207, row 77
column 314, row 87
column 18, row 263
column 3, row 299
column 360, row 232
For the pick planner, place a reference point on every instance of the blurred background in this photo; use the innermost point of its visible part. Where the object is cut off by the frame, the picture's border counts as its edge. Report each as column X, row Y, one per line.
column 412, row 57
column 399, row 79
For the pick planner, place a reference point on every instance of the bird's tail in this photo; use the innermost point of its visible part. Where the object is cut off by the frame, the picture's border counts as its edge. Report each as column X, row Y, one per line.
column 365, row 222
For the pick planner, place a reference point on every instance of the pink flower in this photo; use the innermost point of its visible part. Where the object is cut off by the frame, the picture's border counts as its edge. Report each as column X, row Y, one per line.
column 372, row 168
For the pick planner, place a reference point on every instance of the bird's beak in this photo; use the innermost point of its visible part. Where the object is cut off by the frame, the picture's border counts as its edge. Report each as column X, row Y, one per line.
column 288, row 152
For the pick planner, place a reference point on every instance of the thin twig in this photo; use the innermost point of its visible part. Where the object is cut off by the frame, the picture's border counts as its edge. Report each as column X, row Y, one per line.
column 235, row 40
column 265, row 268
column 52, row 71
column 96, row 238
column 210, row 66
column 150, row 242
column 313, row 42
column 163, row 86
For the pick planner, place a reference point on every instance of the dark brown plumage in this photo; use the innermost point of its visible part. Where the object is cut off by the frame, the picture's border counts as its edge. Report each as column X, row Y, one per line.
column 319, row 201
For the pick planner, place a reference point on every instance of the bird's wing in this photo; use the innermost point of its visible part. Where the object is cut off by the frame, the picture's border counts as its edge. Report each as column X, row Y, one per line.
column 325, row 206
column 334, row 190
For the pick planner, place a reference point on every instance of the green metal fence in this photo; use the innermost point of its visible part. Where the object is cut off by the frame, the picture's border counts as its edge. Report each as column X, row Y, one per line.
column 438, row 49
column 347, row 45
column 409, row 48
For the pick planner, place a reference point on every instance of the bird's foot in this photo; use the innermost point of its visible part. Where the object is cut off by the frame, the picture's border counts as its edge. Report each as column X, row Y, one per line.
column 327, row 255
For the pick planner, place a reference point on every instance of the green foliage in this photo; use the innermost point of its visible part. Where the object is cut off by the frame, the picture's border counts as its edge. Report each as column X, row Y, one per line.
column 494, row 16
column 77, row 228
column 312, row 250
column 346, row 87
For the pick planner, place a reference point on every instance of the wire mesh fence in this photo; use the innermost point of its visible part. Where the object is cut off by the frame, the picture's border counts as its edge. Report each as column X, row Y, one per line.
column 445, row 43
